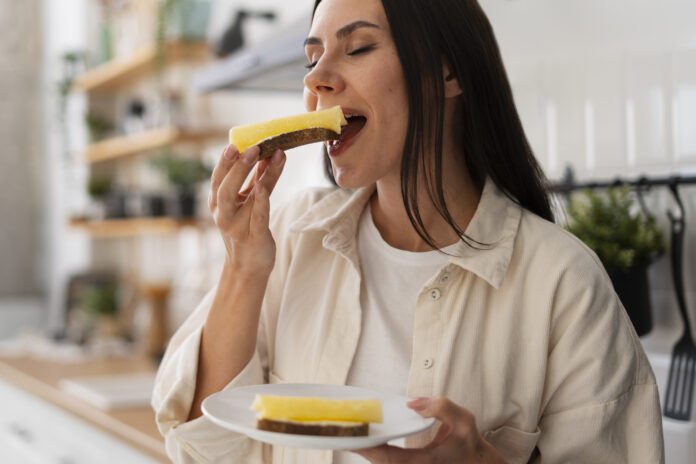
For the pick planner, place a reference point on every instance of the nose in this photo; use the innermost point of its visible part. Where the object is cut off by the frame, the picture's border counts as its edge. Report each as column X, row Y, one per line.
column 322, row 80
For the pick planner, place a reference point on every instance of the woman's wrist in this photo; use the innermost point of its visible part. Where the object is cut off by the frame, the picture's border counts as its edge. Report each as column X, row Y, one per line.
column 244, row 269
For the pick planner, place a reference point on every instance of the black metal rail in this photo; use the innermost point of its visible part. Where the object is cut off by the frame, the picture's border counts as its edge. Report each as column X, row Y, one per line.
column 643, row 182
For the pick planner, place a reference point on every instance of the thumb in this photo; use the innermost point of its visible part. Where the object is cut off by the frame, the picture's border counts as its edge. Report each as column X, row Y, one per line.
column 456, row 418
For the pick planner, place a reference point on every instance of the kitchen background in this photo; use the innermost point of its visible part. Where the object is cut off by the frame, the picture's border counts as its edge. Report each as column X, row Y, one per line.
column 113, row 111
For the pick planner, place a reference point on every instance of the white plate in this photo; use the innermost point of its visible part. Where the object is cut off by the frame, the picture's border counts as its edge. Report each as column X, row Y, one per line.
column 231, row 409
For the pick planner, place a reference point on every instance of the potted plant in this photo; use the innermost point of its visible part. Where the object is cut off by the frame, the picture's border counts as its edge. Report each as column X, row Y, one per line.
column 98, row 188
column 184, row 173
column 627, row 242
column 97, row 127
column 108, row 202
column 99, row 301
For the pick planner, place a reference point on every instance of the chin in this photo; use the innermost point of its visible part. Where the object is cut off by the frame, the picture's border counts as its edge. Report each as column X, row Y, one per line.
column 350, row 179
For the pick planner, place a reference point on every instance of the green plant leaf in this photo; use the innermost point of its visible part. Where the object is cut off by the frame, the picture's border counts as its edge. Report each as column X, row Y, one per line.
column 182, row 172
column 608, row 224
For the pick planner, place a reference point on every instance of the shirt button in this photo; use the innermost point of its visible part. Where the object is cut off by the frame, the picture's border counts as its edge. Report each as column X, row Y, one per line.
column 435, row 294
column 444, row 278
column 428, row 363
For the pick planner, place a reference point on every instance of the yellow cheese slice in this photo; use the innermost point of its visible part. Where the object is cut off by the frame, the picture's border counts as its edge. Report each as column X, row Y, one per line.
column 249, row 135
column 291, row 408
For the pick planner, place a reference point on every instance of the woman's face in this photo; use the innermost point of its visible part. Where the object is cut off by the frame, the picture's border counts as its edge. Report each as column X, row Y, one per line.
column 354, row 63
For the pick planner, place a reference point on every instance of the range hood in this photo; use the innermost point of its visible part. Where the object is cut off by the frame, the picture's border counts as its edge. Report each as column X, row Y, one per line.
column 275, row 64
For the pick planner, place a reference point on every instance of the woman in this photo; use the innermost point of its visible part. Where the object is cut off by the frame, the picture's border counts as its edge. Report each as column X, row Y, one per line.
column 434, row 271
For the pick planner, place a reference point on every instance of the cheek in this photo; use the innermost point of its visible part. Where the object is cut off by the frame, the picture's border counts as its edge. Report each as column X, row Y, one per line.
column 393, row 90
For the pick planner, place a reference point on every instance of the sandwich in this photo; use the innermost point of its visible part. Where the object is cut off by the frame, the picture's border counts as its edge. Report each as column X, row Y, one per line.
column 316, row 416
column 289, row 132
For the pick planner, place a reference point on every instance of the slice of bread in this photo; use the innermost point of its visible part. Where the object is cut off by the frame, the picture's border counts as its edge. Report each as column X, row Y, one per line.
column 323, row 428
column 290, row 132
column 295, row 139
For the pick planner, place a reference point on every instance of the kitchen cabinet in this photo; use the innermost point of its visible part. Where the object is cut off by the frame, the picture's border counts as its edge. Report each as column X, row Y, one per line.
column 35, row 431
column 41, row 423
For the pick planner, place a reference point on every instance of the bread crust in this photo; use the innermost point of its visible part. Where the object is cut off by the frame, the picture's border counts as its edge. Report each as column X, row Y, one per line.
column 324, row 430
column 295, row 139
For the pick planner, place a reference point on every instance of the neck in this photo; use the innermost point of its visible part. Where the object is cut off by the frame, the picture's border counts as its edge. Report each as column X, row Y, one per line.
column 461, row 197
column 392, row 221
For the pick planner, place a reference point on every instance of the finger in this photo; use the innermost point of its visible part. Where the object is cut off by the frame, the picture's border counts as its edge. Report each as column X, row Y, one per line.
column 258, row 174
column 260, row 213
column 274, row 170
column 443, row 433
column 237, row 174
column 261, row 168
column 392, row 454
column 461, row 421
column 229, row 155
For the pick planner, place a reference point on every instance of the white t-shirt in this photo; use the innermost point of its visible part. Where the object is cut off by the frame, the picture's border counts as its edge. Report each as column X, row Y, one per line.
column 391, row 282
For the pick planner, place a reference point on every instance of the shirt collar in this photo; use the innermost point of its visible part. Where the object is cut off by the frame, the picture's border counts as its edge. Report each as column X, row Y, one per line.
column 491, row 232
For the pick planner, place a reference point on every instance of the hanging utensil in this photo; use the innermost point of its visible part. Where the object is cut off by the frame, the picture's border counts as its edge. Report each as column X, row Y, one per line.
column 682, row 369
column 642, row 187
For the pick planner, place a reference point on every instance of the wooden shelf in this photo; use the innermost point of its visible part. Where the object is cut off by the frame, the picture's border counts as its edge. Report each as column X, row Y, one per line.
column 121, row 72
column 118, row 228
column 124, row 146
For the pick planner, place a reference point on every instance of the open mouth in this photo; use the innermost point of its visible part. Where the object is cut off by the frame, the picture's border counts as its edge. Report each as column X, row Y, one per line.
column 356, row 123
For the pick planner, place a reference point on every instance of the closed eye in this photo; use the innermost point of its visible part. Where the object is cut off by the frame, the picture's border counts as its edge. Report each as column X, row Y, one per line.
column 362, row 50
column 359, row 51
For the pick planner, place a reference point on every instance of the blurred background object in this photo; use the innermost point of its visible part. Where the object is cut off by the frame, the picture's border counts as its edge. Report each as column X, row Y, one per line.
column 233, row 37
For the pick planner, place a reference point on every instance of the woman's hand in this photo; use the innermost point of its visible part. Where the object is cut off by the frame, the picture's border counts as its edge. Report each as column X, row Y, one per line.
column 457, row 440
column 242, row 215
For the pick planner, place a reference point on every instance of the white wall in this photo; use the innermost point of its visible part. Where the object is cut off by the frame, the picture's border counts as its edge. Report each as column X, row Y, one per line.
column 20, row 174
column 64, row 27
column 608, row 86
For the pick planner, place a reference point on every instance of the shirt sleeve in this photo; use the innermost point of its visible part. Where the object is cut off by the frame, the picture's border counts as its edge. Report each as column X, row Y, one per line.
column 601, row 403
column 199, row 440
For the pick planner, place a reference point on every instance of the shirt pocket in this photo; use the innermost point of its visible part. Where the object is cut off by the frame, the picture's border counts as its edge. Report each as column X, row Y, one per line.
column 514, row 444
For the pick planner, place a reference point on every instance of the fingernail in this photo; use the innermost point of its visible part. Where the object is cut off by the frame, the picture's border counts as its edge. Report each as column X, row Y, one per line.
column 418, row 403
column 231, row 153
column 250, row 156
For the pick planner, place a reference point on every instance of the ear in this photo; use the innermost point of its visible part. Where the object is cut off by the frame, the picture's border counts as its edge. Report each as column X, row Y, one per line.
column 452, row 88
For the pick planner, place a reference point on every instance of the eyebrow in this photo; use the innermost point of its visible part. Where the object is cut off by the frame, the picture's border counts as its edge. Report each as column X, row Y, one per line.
column 343, row 32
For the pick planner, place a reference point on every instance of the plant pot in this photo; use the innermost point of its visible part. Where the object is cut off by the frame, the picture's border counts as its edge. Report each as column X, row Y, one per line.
column 634, row 292
column 154, row 206
column 117, row 205
column 97, row 209
column 186, row 203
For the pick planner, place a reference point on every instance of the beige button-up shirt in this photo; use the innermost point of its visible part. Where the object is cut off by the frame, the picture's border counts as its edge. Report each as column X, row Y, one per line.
column 525, row 332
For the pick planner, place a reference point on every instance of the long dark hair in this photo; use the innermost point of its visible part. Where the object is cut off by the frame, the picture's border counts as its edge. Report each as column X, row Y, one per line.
column 458, row 33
